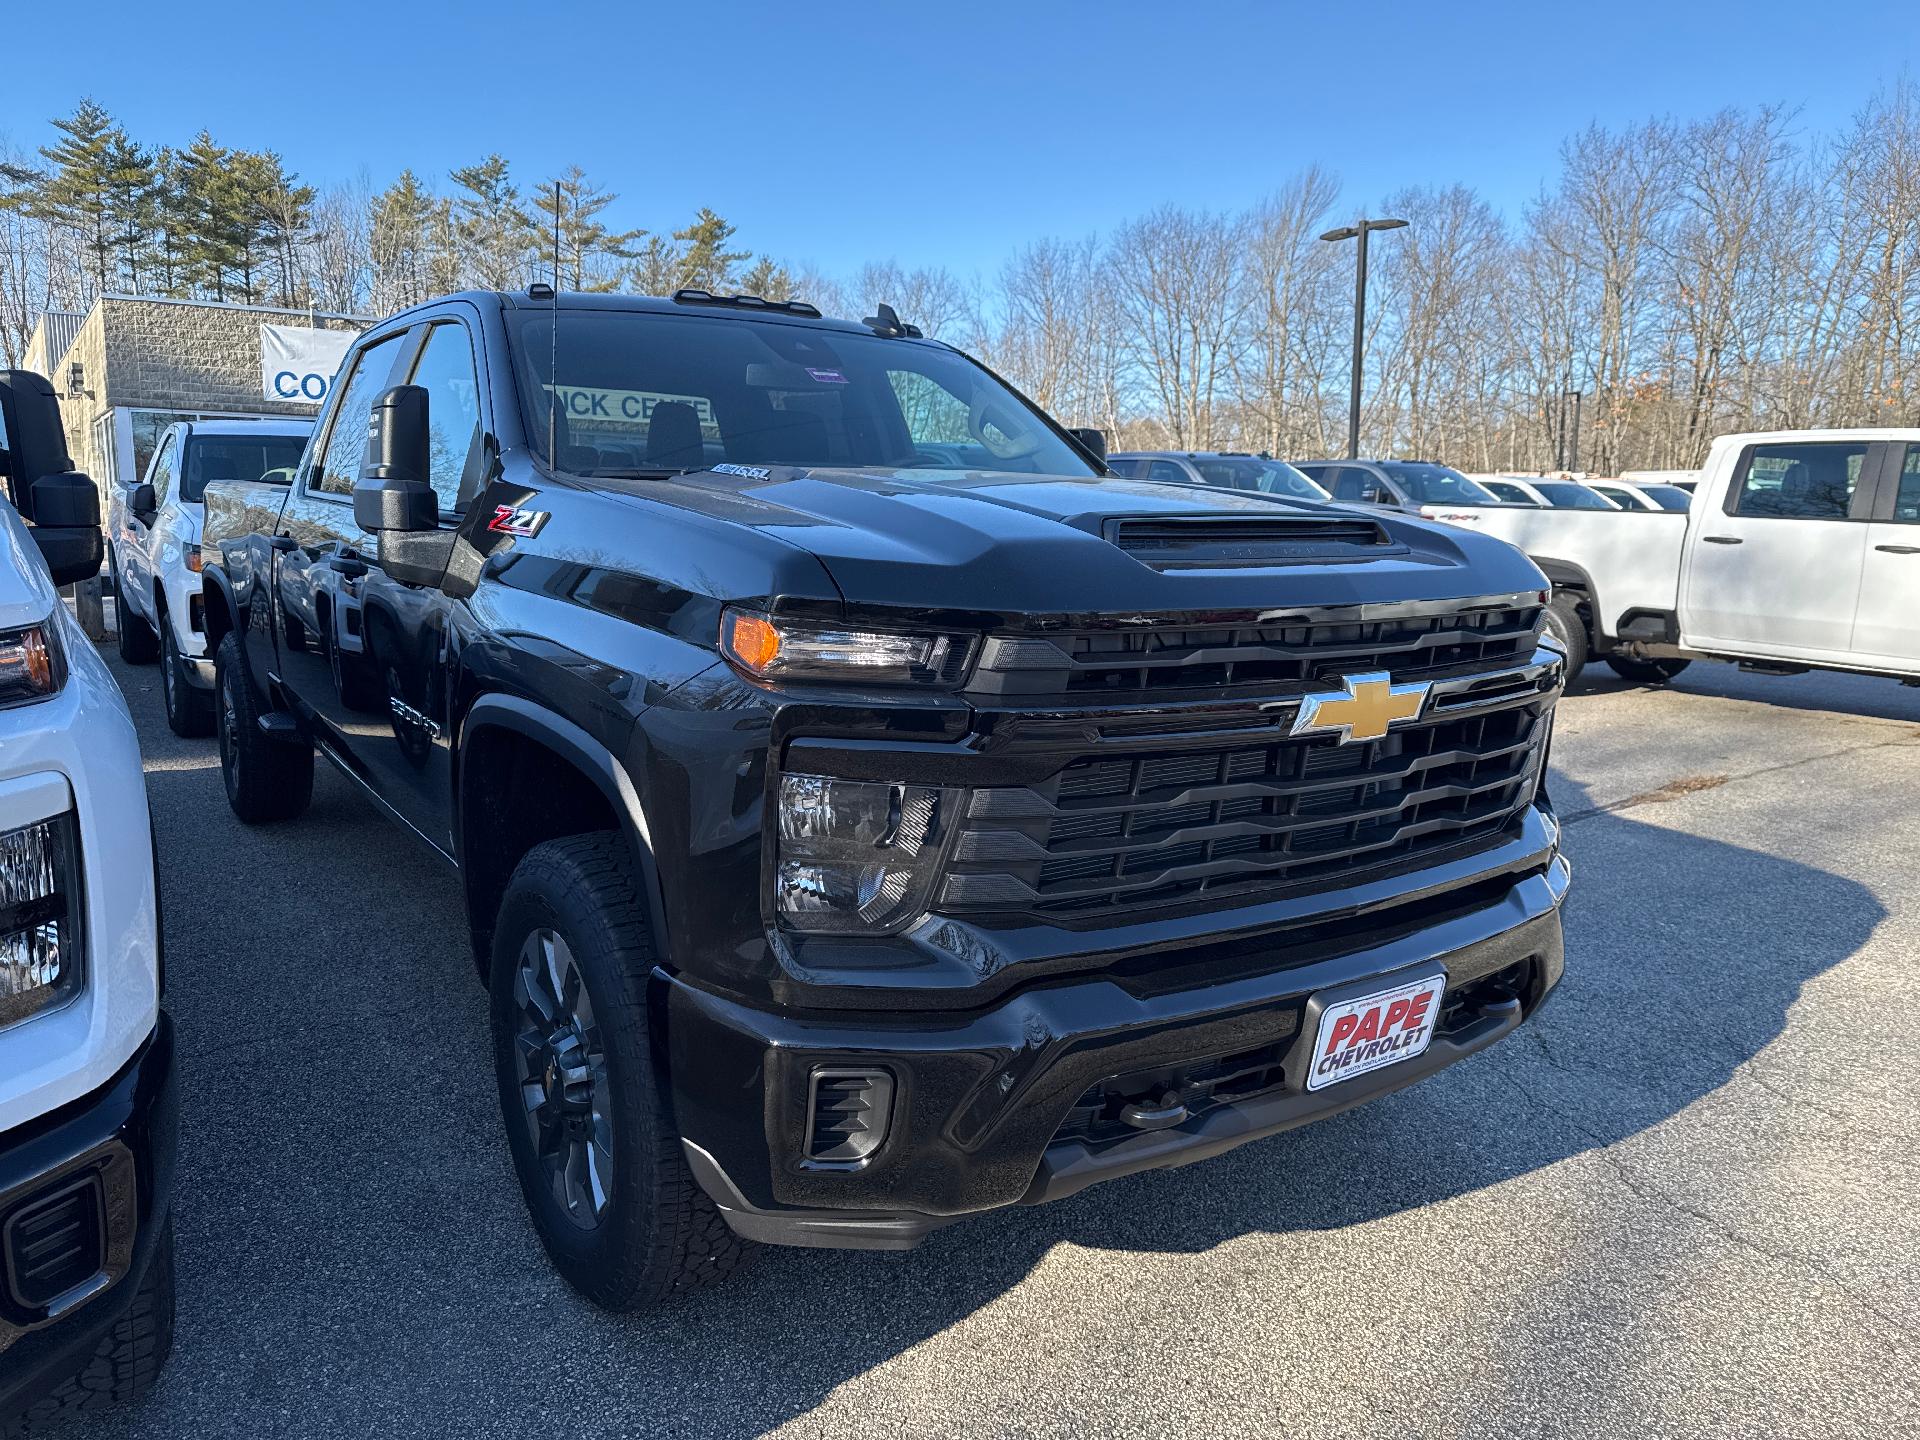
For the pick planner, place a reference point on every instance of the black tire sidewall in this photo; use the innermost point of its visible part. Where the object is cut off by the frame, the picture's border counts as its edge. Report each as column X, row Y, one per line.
column 1565, row 625
column 542, row 895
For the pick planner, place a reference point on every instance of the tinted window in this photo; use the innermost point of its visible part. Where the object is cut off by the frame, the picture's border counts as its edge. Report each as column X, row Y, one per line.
column 1906, row 500
column 148, row 426
column 1168, row 471
column 1350, row 482
column 236, row 457
column 347, row 439
column 446, row 372
column 641, row 390
column 1799, row 481
column 1130, row 469
column 1437, row 485
column 1510, row 493
column 1269, row 477
column 1668, row 497
column 1563, row 495
column 161, row 476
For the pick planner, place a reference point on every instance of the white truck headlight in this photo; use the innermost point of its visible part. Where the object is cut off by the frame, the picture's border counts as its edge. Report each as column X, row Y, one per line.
column 31, row 665
column 40, row 948
column 858, row 857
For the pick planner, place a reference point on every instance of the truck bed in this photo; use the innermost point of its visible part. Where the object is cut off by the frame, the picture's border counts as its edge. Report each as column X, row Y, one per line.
column 1627, row 559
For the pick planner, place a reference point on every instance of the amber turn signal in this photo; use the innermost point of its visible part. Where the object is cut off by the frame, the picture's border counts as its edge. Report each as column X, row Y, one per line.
column 752, row 641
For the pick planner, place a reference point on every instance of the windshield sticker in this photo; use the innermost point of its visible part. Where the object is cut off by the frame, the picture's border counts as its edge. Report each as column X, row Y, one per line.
column 752, row 472
column 827, row 377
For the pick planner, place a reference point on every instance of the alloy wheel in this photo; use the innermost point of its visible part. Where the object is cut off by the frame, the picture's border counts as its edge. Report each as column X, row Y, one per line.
column 561, row 1065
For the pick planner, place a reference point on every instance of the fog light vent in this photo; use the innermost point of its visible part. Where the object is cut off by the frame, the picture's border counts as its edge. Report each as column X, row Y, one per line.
column 56, row 1243
column 848, row 1112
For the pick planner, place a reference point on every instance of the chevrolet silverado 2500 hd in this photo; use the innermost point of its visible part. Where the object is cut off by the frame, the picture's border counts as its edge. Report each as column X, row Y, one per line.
column 1800, row 551
column 87, row 1095
column 870, row 812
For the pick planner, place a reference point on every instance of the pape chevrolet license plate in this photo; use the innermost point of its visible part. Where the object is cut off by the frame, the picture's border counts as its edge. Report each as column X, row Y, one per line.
column 1360, row 1036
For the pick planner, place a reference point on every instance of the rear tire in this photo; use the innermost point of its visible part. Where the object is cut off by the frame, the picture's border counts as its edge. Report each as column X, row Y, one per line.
column 266, row 779
column 125, row 1364
column 138, row 644
column 1569, row 628
column 189, row 708
column 1646, row 672
column 591, row 1135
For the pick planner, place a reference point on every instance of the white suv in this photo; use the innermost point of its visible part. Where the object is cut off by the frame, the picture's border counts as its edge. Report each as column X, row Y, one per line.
column 153, row 549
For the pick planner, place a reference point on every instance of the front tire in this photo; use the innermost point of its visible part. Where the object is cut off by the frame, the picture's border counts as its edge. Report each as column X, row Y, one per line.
column 189, row 708
column 1568, row 627
column 125, row 1364
column 592, row 1139
column 1646, row 672
column 266, row 779
column 138, row 644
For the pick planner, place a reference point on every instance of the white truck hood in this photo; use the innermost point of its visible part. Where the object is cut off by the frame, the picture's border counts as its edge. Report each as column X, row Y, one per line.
column 27, row 595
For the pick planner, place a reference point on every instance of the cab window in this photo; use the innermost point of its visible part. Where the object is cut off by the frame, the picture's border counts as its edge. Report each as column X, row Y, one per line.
column 164, row 464
column 1798, row 481
column 446, row 372
column 347, row 437
column 1906, row 500
column 1168, row 471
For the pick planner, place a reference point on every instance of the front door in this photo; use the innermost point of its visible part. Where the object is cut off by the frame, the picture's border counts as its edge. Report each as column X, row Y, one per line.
column 1776, row 569
column 411, row 634
column 320, row 567
column 1886, row 625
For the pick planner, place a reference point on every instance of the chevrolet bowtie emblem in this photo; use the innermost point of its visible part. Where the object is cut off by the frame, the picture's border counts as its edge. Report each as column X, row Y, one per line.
column 1366, row 709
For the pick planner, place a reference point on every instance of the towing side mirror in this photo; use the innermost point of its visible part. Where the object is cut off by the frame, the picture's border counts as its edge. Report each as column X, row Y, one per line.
column 1094, row 440
column 60, row 506
column 393, row 492
column 142, row 501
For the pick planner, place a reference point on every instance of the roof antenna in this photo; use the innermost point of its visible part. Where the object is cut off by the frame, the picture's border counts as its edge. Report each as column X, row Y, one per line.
column 553, row 342
column 888, row 323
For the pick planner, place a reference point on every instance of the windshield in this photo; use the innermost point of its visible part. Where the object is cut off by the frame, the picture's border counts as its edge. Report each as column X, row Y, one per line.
column 1270, row 477
column 1506, row 490
column 645, row 391
column 1667, row 497
column 1438, row 485
column 236, row 457
column 1565, row 495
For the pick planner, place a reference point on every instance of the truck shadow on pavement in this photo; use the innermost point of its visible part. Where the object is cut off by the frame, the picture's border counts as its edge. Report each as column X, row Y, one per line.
column 354, row 1257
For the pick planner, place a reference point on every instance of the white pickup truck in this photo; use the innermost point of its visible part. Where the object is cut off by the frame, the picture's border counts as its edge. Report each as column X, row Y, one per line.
column 1801, row 552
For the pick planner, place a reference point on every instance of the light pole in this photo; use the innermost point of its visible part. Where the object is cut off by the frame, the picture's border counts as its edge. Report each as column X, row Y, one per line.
column 1359, row 232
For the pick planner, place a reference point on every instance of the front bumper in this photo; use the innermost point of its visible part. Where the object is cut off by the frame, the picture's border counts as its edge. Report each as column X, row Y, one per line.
column 979, row 1100
column 120, row 1141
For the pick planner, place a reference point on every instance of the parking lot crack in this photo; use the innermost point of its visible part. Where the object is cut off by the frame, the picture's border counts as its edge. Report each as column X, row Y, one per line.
column 1687, row 785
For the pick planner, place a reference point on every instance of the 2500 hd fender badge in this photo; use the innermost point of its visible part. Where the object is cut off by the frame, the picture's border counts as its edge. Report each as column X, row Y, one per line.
column 511, row 520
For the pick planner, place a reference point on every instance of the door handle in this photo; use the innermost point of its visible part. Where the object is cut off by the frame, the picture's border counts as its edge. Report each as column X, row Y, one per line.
column 1898, row 549
column 1723, row 539
column 282, row 543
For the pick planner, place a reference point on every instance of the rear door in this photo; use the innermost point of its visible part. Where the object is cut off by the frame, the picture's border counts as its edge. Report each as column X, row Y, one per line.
column 1776, row 570
column 1886, row 623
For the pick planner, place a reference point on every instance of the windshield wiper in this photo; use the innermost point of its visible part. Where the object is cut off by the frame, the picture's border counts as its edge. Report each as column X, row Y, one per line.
column 656, row 473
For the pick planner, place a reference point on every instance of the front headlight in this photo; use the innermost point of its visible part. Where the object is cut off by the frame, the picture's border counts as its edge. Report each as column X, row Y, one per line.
column 771, row 648
column 857, row 857
column 31, row 665
column 40, row 949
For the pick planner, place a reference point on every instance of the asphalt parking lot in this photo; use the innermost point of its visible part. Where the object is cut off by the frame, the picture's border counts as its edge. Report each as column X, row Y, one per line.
column 1684, row 1201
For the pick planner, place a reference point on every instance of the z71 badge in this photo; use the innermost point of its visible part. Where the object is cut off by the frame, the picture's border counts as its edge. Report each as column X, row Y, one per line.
column 509, row 520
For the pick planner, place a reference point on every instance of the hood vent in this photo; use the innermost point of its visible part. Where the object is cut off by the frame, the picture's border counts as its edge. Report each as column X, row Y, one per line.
column 1295, row 540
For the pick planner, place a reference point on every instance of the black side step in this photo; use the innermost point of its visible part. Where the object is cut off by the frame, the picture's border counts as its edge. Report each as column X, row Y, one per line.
column 279, row 725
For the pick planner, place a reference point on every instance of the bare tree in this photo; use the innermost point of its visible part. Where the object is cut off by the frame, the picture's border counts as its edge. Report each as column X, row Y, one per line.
column 1177, row 277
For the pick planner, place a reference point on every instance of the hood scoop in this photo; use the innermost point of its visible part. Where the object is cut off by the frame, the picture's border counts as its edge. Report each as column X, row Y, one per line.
column 1177, row 542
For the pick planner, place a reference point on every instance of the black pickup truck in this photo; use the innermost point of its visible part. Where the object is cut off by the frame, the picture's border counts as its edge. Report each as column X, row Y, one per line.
column 870, row 811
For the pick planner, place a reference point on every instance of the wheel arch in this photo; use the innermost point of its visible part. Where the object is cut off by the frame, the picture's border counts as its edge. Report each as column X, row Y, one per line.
column 1568, row 576
column 535, row 744
column 218, row 609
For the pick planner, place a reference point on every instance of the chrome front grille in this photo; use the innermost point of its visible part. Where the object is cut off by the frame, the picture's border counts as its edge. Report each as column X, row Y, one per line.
column 1139, row 824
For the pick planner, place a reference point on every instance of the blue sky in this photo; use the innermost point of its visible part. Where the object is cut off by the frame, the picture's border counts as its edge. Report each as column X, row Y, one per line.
column 940, row 134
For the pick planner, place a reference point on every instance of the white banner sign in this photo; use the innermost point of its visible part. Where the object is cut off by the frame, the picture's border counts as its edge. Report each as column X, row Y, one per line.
column 298, row 363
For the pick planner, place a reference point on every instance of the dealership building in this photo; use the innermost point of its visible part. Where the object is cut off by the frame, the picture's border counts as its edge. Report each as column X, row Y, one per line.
column 132, row 365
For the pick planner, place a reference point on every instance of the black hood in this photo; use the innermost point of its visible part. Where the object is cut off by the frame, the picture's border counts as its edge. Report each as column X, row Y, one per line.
column 1026, row 544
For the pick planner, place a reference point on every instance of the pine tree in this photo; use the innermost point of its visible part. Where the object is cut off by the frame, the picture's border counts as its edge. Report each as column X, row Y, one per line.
column 401, row 244
column 217, row 240
column 585, row 245
column 496, row 233
column 168, row 224
column 656, row 269
column 706, row 263
column 768, row 280
column 278, row 221
column 77, row 193
column 130, row 177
